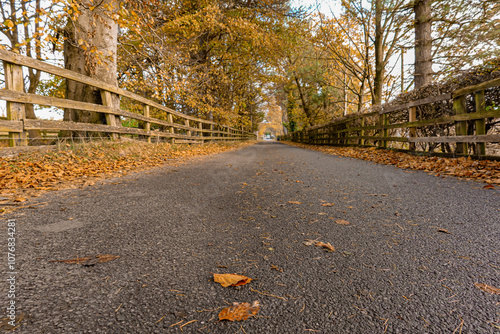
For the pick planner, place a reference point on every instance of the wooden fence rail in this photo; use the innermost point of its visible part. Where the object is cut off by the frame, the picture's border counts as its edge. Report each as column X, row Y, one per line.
column 352, row 130
column 177, row 127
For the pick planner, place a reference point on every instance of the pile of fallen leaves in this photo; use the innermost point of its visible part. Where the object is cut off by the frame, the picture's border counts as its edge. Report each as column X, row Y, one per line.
column 31, row 173
column 465, row 168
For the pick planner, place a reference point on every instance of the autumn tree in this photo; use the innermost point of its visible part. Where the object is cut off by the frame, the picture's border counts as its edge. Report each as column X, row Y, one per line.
column 24, row 28
column 90, row 48
column 202, row 58
column 346, row 45
column 464, row 33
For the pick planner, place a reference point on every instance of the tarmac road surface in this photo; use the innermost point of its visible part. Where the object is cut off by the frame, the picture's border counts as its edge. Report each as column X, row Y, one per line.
column 409, row 248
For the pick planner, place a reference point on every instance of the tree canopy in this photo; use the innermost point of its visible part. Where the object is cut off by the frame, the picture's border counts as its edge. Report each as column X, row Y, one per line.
column 227, row 60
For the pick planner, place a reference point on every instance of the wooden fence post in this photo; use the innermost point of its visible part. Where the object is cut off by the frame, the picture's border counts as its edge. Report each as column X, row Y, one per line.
column 412, row 117
column 480, row 123
column 460, row 107
column 200, row 126
column 347, row 134
column 15, row 111
column 383, row 121
column 107, row 100
column 170, row 119
column 147, row 125
column 186, row 123
column 361, row 141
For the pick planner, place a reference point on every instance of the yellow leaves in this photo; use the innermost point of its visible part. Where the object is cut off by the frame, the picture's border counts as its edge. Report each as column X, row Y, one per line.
column 20, row 199
column 294, row 202
column 327, row 204
column 239, row 311
column 231, row 279
column 9, row 23
column 488, row 288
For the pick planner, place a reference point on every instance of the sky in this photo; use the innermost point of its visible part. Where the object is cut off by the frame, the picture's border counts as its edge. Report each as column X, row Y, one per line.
column 324, row 6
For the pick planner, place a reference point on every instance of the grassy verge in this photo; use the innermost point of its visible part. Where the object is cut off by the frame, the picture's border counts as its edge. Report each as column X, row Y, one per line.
column 30, row 174
column 484, row 171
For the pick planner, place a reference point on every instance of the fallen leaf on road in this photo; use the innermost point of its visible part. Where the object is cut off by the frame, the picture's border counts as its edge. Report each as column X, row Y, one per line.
column 442, row 230
column 276, row 268
column 294, row 202
column 342, row 222
column 239, row 311
column 90, row 260
column 309, row 242
column 488, row 288
column 20, row 199
column 327, row 204
column 489, row 186
column 327, row 246
column 231, row 279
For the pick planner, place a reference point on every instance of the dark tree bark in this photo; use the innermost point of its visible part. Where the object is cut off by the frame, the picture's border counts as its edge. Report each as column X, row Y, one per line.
column 378, row 81
column 423, row 43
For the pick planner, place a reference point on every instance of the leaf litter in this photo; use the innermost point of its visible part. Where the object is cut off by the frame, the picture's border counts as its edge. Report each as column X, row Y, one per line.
column 239, row 311
column 465, row 168
column 32, row 173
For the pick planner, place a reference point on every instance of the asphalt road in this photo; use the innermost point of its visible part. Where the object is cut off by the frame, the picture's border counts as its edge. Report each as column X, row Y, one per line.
column 393, row 271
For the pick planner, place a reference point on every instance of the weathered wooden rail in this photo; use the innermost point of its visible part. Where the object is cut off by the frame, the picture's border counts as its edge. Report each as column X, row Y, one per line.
column 177, row 127
column 354, row 130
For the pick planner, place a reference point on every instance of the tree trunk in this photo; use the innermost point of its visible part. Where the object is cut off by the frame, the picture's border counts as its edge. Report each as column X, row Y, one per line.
column 379, row 55
column 305, row 107
column 423, row 43
column 93, row 29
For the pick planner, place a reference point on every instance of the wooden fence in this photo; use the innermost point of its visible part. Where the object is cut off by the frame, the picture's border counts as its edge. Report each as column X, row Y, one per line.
column 176, row 127
column 405, row 121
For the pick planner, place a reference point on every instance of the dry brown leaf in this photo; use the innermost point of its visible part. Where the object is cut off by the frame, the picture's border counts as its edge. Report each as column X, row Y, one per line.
column 489, row 186
column 442, row 230
column 231, row 279
column 309, row 242
column 342, row 222
column 20, row 199
column 327, row 204
column 488, row 288
column 90, row 260
column 326, row 246
column 239, row 311
column 294, row 202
